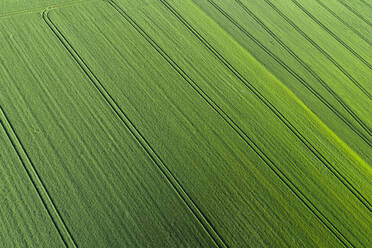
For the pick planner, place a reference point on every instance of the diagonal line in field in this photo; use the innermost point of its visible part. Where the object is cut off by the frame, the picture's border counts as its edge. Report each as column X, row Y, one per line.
column 293, row 73
column 172, row 180
column 37, row 182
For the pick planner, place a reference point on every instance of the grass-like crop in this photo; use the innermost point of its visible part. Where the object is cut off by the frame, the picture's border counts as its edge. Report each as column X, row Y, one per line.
column 188, row 123
column 302, row 74
column 22, row 212
column 107, row 190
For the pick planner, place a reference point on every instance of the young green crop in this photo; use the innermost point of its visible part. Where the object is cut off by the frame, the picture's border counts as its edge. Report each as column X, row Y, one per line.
column 107, row 190
column 188, row 123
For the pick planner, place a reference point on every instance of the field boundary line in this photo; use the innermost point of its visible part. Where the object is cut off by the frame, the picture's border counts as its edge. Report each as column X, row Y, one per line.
column 352, row 10
column 37, row 182
column 141, row 140
column 343, row 22
column 267, row 103
column 293, row 73
column 321, row 50
column 324, row 27
column 241, row 133
column 40, row 9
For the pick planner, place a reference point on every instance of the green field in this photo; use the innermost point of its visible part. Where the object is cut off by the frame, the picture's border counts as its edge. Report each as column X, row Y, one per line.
column 193, row 123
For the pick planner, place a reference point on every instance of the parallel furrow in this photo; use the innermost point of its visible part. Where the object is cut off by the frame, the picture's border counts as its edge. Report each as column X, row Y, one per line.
column 366, row 3
column 327, row 55
column 37, row 182
column 293, row 73
column 355, row 12
column 271, row 107
column 332, row 34
column 299, row 194
column 308, row 68
column 344, row 23
column 174, row 182
column 239, row 131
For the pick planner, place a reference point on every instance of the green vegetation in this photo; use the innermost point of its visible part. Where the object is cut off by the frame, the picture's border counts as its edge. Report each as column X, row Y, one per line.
column 213, row 123
column 21, row 209
column 107, row 190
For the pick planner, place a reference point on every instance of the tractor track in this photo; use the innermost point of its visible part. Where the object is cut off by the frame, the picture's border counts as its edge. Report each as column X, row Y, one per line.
column 268, row 104
column 321, row 50
column 37, row 182
column 168, row 175
column 352, row 10
column 294, row 74
column 324, row 27
column 344, row 23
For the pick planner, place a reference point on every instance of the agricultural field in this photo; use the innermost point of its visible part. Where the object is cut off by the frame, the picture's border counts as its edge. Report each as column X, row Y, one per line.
column 193, row 123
